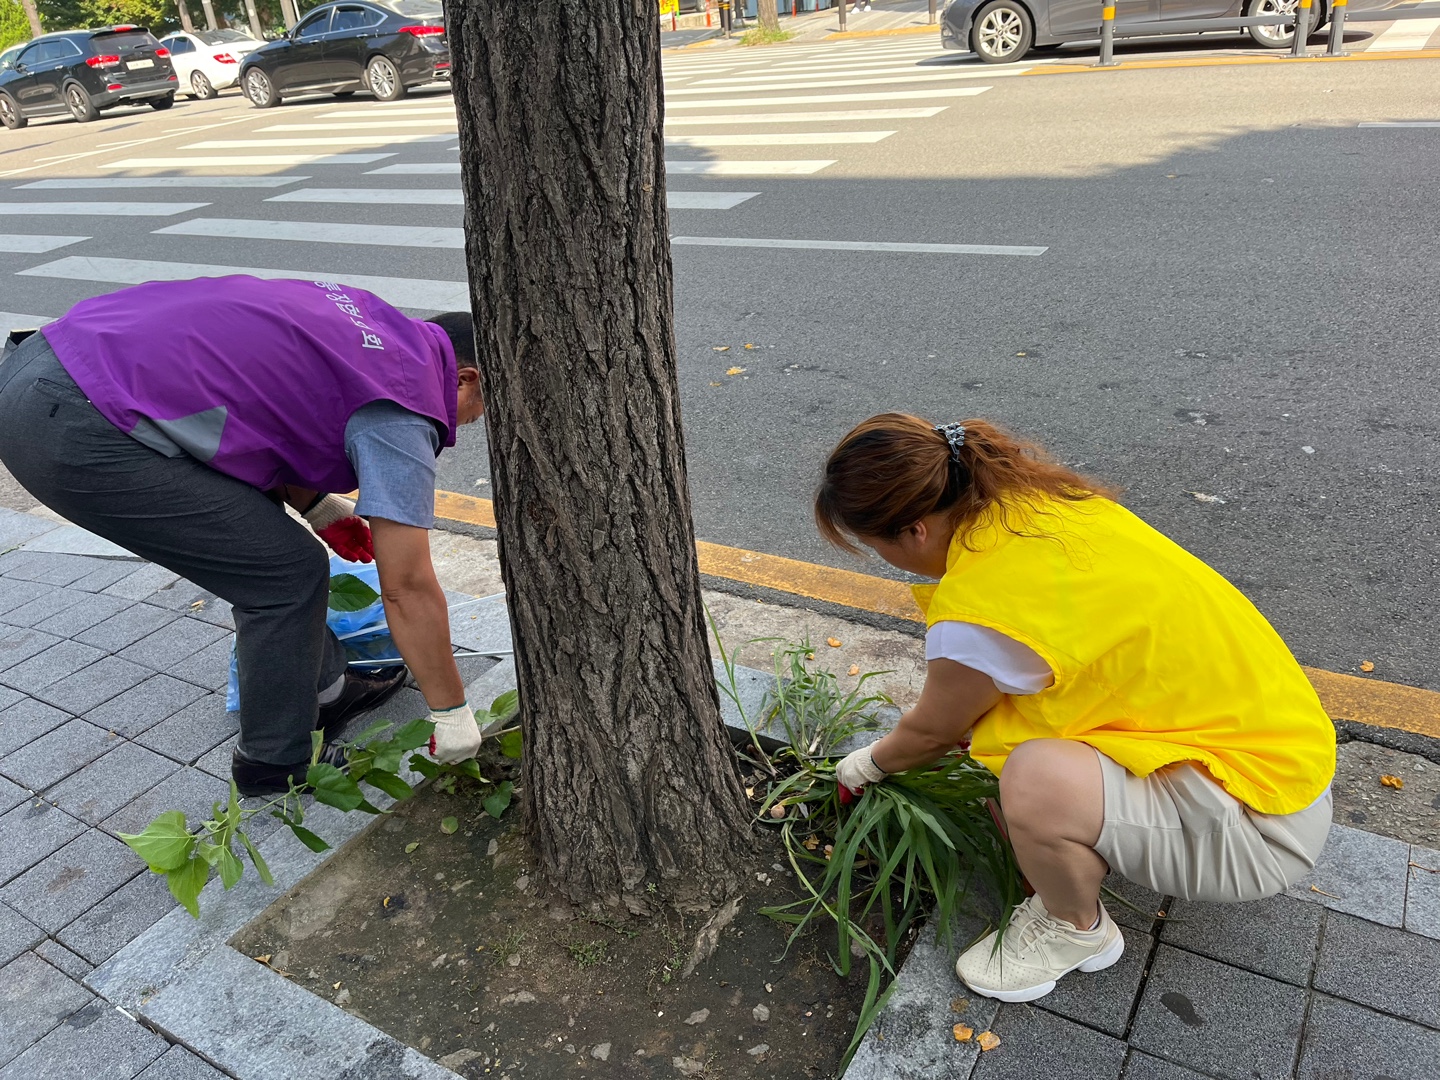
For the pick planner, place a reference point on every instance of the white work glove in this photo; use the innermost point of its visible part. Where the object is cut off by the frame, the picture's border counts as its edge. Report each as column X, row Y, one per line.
column 457, row 735
column 858, row 769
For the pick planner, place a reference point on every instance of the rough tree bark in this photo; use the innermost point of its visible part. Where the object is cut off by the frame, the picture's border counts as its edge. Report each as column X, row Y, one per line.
column 33, row 15
column 629, row 780
column 768, row 14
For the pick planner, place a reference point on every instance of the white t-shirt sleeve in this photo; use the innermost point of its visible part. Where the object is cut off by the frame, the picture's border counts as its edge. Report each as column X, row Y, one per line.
column 1014, row 667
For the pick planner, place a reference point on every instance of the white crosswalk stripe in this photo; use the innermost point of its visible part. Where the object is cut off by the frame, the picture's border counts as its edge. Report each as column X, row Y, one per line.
column 99, row 183
column 856, row 245
column 375, row 138
column 97, row 209
column 830, row 99
column 34, row 243
column 680, row 168
column 412, row 293
column 768, row 138
column 10, row 320
column 364, row 125
column 234, row 161
column 749, row 84
column 678, row 200
column 919, row 113
column 1405, row 34
column 320, row 232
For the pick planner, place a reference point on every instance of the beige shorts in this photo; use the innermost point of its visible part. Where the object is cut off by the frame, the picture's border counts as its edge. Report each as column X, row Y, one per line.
column 1181, row 834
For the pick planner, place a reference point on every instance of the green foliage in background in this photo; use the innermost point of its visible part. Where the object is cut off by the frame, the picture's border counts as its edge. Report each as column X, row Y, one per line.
column 14, row 27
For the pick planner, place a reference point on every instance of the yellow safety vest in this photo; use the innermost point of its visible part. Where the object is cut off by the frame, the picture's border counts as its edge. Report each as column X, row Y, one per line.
column 1157, row 658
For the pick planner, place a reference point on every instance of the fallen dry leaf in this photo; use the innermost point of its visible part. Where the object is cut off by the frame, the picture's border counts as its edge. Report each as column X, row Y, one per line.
column 721, row 348
column 1200, row 496
column 988, row 1040
column 833, row 642
column 1391, row 781
column 263, row 958
column 963, row 1033
column 749, row 346
column 715, row 384
column 810, row 843
column 735, row 371
column 958, row 1006
column 854, row 669
column 1367, row 666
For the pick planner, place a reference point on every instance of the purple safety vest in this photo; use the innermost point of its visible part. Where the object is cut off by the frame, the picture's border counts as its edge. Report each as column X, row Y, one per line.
column 256, row 378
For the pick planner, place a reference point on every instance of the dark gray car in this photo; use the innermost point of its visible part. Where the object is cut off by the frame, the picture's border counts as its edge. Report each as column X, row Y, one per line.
column 1000, row 31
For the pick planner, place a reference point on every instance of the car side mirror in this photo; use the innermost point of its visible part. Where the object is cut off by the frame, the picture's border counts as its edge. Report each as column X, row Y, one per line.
column 21, row 68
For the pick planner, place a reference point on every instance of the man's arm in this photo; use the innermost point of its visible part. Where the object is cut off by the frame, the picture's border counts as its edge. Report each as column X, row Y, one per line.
column 417, row 611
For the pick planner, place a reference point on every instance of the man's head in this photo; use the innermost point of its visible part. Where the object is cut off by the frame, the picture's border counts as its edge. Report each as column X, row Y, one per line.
column 460, row 328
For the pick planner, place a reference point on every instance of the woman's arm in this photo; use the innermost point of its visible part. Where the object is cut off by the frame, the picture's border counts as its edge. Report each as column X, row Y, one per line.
column 954, row 697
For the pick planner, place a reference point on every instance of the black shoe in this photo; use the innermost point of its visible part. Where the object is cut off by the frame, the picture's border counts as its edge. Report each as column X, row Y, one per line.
column 364, row 689
column 262, row 778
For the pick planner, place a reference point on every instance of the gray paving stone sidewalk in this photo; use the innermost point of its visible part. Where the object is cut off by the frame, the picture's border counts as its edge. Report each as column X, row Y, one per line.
column 111, row 709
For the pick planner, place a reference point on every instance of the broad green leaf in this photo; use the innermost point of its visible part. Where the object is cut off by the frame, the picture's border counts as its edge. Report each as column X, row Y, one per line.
column 414, row 735
column 333, row 788
column 410, row 847
column 165, row 844
column 261, row 867
column 389, row 783
column 367, row 807
column 386, row 756
column 506, row 705
column 510, row 744
column 185, row 883
column 232, row 810
column 424, row 766
column 495, row 805
column 208, row 851
column 317, row 741
column 308, row 838
column 471, row 768
column 349, row 593
column 370, row 732
column 449, row 825
column 230, row 868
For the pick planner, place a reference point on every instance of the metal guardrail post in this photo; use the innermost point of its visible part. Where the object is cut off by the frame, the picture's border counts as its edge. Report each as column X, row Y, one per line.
column 1302, row 29
column 842, row 16
column 1337, row 30
column 1107, row 35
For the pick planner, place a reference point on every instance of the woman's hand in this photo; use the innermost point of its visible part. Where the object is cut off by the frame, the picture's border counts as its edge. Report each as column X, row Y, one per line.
column 954, row 698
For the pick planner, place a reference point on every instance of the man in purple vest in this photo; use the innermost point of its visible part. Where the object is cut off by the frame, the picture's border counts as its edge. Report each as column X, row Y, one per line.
column 174, row 418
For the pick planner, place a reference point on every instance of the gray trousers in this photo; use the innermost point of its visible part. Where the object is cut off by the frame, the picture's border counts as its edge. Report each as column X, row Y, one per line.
column 218, row 532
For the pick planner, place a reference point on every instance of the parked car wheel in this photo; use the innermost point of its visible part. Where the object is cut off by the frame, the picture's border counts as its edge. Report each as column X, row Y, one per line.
column 260, row 90
column 384, row 80
column 10, row 115
column 1282, row 37
column 1002, row 32
column 81, row 107
column 201, row 87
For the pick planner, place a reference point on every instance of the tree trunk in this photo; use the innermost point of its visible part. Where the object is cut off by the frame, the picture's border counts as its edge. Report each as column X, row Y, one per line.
column 290, row 13
column 33, row 15
column 185, row 23
column 769, row 17
column 209, row 7
column 630, row 788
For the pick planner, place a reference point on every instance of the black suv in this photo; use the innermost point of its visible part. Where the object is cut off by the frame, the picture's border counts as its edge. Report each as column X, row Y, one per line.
column 339, row 48
column 84, row 71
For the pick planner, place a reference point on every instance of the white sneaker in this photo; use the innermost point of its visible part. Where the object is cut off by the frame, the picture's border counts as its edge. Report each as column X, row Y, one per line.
column 1036, row 950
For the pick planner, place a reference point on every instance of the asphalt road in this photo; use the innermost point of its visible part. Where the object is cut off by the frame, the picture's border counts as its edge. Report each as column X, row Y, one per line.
column 1237, row 295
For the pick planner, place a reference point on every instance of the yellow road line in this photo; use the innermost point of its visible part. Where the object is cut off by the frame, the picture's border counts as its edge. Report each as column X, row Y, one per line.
column 1345, row 697
column 1228, row 61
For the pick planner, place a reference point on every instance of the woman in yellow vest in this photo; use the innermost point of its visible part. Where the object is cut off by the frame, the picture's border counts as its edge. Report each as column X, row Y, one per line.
column 1142, row 715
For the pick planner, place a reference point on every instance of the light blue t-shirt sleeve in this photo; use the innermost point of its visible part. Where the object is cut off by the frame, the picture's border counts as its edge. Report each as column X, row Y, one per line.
column 392, row 451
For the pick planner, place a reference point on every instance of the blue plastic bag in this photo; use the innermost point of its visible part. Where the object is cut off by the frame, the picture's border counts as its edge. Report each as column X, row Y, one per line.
column 364, row 633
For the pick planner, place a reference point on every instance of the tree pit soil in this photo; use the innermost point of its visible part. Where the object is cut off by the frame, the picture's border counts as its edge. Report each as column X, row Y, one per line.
column 447, row 947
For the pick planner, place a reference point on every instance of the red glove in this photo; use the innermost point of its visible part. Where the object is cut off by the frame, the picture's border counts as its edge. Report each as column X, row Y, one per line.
column 350, row 539
column 846, row 795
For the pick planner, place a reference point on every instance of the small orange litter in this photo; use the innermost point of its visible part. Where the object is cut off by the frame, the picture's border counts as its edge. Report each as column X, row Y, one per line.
column 833, row 642
column 1392, row 781
column 988, row 1040
column 963, row 1033
column 1367, row 666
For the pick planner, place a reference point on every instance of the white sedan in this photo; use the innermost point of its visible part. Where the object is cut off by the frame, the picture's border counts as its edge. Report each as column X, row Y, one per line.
column 207, row 61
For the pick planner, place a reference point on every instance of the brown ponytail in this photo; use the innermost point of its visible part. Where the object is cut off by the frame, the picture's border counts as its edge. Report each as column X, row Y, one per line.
column 894, row 469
